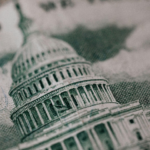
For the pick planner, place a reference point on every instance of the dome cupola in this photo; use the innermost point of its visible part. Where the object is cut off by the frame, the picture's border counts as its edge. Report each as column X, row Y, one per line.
column 38, row 54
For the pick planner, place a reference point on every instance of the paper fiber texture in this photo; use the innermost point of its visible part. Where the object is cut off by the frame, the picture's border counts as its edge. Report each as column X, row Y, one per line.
column 74, row 75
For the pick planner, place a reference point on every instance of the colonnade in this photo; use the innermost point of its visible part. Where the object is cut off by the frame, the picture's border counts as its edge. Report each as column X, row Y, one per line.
column 72, row 99
column 49, row 80
column 87, row 139
column 105, row 136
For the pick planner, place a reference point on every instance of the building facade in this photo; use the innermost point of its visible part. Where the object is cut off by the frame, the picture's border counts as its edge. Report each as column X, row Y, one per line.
column 60, row 104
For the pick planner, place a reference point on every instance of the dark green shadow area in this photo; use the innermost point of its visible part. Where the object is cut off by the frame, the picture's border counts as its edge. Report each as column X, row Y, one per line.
column 99, row 44
column 125, row 92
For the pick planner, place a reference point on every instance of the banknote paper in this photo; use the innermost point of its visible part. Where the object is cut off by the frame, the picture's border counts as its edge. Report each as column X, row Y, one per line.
column 74, row 75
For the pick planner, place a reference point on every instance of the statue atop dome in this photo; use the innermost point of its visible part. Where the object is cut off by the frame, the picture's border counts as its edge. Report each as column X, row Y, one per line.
column 25, row 23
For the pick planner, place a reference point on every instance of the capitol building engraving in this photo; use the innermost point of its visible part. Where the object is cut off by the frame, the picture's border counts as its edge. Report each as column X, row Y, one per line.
column 60, row 104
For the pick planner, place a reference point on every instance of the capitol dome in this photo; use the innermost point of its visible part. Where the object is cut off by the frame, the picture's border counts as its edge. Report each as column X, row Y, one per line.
column 48, row 73
column 39, row 53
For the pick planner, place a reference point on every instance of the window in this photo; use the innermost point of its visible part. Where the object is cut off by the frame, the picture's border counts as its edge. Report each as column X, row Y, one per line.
column 138, row 135
column 69, row 74
column 38, row 56
column 36, row 71
column 55, row 77
column 67, row 103
column 30, row 74
column 27, row 61
column 49, row 51
column 131, row 121
column 62, row 75
column 41, row 83
column 49, row 65
column 43, row 67
column 33, row 60
column 48, row 81
column 43, row 54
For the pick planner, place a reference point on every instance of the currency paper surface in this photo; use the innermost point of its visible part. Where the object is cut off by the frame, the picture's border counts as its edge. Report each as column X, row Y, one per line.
column 74, row 75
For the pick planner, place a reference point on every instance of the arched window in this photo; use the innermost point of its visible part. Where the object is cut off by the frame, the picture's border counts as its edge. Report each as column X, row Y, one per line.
column 62, row 75
column 33, row 60
column 52, row 110
column 20, row 96
column 23, row 66
column 138, row 135
column 41, row 83
column 74, row 100
column 80, row 71
column 29, row 90
column 69, row 74
column 27, row 62
column 55, row 77
column 49, row 51
column 43, row 54
column 48, row 81
column 75, row 72
column 36, row 89
column 67, row 103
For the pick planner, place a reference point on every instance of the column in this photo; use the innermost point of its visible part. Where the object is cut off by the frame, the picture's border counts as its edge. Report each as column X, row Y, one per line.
column 128, row 132
column 32, row 118
column 26, row 120
column 72, row 103
column 41, row 119
column 25, row 131
column 97, row 139
column 122, row 128
column 106, row 95
column 94, row 93
column 52, row 78
column 63, row 145
column 76, row 68
column 44, row 82
column 47, row 113
column 100, row 92
column 58, row 75
column 65, row 73
column 86, row 92
column 38, row 85
column 117, row 132
column 61, row 99
column 141, row 125
column 71, row 71
column 78, row 143
column 146, row 121
column 81, row 101
column 92, row 140
column 19, row 126
column 112, row 97
column 111, row 136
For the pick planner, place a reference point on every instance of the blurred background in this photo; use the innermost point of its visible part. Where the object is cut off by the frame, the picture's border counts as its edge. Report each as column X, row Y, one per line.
column 113, row 34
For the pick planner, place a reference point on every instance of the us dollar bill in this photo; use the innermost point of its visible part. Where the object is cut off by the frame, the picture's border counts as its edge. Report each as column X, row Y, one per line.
column 74, row 75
